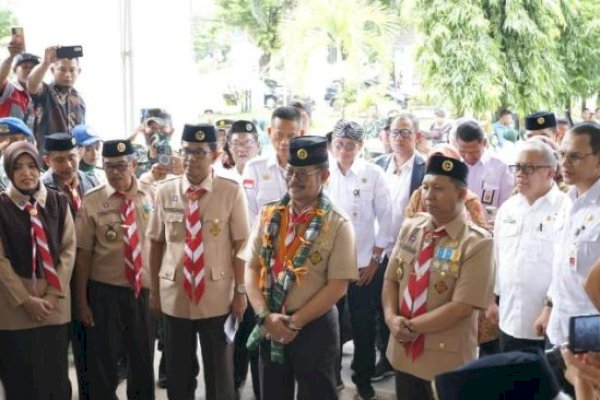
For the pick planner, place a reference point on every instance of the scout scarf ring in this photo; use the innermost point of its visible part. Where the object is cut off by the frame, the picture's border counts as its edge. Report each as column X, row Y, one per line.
column 279, row 271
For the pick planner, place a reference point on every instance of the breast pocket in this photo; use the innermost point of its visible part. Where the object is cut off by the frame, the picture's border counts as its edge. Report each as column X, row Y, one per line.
column 363, row 204
column 587, row 248
column 174, row 227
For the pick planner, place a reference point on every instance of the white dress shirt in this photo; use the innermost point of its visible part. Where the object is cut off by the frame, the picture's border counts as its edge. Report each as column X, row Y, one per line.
column 576, row 248
column 364, row 195
column 398, row 180
column 523, row 254
column 263, row 182
column 491, row 180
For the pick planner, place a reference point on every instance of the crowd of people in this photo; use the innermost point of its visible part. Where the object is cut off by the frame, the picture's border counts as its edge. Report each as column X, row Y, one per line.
column 456, row 267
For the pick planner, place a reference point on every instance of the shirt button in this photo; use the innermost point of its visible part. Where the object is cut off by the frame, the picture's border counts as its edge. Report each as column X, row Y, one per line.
column 222, row 274
column 442, row 345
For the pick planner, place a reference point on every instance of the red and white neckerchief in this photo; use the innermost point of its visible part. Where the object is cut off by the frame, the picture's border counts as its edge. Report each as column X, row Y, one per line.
column 414, row 299
column 193, row 256
column 132, row 245
column 39, row 242
column 74, row 196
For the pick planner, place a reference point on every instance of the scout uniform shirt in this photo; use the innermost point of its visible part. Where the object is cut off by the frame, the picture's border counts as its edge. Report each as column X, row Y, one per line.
column 99, row 230
column 332, row 256
column 15, row 289
column 461, row 271
column 224, row 216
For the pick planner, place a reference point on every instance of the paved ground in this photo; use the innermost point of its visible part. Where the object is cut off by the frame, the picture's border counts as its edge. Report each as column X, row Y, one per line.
column 384, row 389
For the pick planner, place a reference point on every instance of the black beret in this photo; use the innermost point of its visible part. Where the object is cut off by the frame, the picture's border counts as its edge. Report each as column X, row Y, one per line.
column 514, row 375
column 308, row 150
column 224, row 123
column 59, row 142
column 201, row 133
column 243, row 126
column 117, row 148
column 451, row 167
column 348, row 129
column 540, row 120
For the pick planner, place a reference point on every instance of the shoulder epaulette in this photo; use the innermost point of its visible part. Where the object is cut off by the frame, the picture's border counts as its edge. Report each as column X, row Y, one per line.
column 474, row 227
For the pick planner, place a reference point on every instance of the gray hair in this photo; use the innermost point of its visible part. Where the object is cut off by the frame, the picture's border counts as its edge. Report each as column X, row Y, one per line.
column 542, row 148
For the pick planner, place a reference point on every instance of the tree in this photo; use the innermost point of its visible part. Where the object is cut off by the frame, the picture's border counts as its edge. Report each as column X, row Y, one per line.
column 260, row 18
column 7, row 20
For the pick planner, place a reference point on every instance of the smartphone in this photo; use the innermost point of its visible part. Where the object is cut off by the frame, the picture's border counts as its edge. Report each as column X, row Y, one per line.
column 18, row 36
column 584, row 333
column 69, row 52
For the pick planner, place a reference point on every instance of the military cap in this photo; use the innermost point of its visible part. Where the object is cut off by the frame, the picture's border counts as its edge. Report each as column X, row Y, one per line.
column 540, row 120
column 117, row 148
column 308, row 150
column 514, row 375
column 14, row 150
column 59, row 142
column 348, row 129
column 201, row 133
column 224, row 123
column 13, row 126
column 450, row 167
column 243, row 126
column 25, row 57
column 84, row 136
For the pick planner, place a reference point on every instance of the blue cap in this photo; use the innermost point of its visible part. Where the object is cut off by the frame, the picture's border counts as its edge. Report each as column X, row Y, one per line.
column 84, row 136
column 13, row 126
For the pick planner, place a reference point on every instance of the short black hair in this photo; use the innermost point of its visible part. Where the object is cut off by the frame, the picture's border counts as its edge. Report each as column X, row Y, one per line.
column 504, row 111
column 329, row 137
column 300, row 105
column 413, row 119
column 470, row 131
column 562, row 121
column 286, row 112
column 592, row 129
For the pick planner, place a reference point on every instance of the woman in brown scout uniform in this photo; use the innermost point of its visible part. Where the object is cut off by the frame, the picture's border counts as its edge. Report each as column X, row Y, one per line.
column 37, row 251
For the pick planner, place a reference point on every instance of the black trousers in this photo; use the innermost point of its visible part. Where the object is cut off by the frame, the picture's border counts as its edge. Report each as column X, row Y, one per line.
column 121, row 322
column 409, row 387
column 79, row 357
column 310, row 361
column 180, row 337
column 510, row 343
column 241, row 354
column 364, row 303
column 34, row 363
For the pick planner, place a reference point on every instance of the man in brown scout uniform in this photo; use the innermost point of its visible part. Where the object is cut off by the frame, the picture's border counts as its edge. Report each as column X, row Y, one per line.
column 199, row 223
column 112, row 277
column 438, row 277
column 300, row 258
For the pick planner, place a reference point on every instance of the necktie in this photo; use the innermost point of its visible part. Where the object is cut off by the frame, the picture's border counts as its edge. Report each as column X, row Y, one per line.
column 414, row 299
column 39, row 242
column 193, row 258
column 132, row 245
column 73, row 196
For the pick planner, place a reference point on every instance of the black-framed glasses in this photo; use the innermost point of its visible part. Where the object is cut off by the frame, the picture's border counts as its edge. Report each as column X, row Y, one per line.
column 121, row 167
column 299, row 175
column 197, row 153
column 527, row 169
column 348, row 146
column 403, row 133
column 574, row 157
column 242, row 143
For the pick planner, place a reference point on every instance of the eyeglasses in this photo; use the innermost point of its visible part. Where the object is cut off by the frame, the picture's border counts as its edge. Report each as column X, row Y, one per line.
column 348, row 146
column 244, row 144
column 299, row 175
column 115, row 167
column 527, row 169
column 198, row 153
column 573, row 158
column 403, row 133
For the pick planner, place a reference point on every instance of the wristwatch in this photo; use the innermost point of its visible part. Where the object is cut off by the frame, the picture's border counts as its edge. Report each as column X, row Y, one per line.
column 377, row 257
column 261, row 316
column 240, row 288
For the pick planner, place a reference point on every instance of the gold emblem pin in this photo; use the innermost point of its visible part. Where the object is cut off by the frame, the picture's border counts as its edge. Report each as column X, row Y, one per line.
column 215, row 230
column 121, row 147
column 316, row 258
column 111, row 234
column 541, row 120
column 302, row 154
column 4, row 128
column 440, row 287
column 33, row 212
column 447, row 165
column 200, row 135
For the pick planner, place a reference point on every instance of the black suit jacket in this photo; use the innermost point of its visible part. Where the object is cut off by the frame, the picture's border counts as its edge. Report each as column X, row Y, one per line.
column 418, row 170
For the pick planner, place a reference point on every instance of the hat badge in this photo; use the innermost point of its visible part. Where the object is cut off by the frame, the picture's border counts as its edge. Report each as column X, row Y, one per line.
column 249, row 127
column 73, row 141
column 4, row 128
column 200, row 135
column 541, row 120
column 221, row 125
column 121, row 147
column 447, row 165
column 302, row 154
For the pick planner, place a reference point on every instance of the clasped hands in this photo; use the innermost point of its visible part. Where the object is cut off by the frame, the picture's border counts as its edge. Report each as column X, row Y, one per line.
column 402, row 329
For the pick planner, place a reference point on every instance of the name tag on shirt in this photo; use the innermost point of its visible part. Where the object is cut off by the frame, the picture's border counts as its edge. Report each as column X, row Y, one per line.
column 573, row 257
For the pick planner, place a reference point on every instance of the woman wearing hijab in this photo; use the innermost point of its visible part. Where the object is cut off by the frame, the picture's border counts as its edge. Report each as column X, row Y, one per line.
column 37, row 253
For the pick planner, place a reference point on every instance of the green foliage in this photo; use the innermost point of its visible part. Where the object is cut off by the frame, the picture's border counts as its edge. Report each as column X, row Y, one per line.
column 7, row 20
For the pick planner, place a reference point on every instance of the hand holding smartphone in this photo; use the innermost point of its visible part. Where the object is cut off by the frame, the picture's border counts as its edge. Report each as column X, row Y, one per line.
column 584, row 334
column 17, row 41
